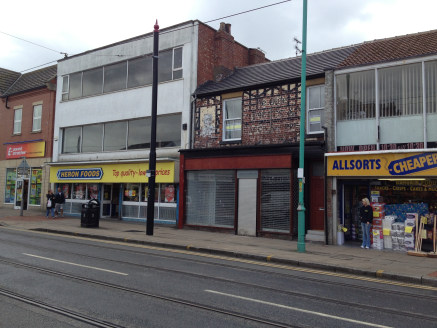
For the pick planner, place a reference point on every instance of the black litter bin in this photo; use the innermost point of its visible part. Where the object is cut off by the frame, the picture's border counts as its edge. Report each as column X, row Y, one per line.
column 90, row 214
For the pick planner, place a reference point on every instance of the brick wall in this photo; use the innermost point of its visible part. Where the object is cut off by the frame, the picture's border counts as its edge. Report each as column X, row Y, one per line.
column 269, row 116
column 219, row 49
column 26, row 102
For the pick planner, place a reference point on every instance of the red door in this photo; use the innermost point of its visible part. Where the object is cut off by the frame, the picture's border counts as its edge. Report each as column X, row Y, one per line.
column 317, row 207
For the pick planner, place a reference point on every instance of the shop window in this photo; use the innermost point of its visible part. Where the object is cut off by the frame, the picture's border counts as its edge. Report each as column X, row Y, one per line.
column 35, row 186
column 92, row 191
column 275, row 200
column 315, row 106
column 210, row 198
column 66, row 188
column 115, row 136
column 232, row 119
column 168, row 193
column 145, row 190
column 37, row 113
column 131, row 192
column 79, row 191
column 11, row 176
column 17, row 120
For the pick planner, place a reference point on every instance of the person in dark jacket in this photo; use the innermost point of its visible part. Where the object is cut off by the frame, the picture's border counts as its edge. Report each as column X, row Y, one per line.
column 60, row 201
column 50, row 204
column 366, row 217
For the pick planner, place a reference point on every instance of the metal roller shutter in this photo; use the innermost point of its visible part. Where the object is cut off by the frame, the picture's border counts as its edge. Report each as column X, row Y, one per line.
column 210, row 198
column 275, row 200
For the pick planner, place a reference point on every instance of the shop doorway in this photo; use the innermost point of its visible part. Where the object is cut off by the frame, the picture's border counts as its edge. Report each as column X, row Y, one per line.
column 106, row 201
column 21, row 193
column 352, row 194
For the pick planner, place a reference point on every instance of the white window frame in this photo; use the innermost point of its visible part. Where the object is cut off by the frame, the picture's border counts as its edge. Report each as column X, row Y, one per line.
column 18, row 122
column 66, row 90
column 309, row 110
column 175, row 69
column 227, row 122
column 37, row 119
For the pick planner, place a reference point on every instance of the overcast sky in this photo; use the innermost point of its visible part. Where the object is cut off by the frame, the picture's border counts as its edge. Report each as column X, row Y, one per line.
column 77, row 26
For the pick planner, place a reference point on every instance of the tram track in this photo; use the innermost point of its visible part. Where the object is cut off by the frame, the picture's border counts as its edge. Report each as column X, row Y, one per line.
column 98, row 323
column 359, row 306
column 58, row 310
column 288, row 274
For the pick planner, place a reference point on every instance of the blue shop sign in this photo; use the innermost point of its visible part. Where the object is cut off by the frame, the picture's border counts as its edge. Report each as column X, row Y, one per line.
column 80, row 174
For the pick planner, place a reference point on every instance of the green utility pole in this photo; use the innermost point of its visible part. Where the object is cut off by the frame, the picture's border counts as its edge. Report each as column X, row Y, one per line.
column 300, row 175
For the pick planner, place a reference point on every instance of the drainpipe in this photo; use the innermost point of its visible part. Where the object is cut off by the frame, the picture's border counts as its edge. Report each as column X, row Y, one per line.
column 193, row 111
column 7, row 107
column 325, row 182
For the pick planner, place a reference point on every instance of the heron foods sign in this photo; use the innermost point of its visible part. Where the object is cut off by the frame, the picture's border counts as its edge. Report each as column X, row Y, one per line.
column 390, row 164
column 112, row 173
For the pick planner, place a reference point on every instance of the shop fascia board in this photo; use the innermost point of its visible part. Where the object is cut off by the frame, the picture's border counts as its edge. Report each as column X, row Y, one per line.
column 378, row 152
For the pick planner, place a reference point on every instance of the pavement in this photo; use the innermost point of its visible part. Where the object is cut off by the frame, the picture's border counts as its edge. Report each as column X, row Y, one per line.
column 382, row 264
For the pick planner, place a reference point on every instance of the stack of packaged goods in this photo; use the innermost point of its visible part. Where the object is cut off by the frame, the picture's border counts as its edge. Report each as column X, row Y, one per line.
column 410, row 223
column 397, row 236
column 377, row 232
column 387, row 223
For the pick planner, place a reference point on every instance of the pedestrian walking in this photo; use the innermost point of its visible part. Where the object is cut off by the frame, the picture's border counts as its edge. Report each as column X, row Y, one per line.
column 60, row 201
column 50, row 204
column 366, row 217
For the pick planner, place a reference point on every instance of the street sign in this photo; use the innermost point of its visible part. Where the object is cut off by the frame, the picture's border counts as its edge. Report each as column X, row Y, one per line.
column 23, row 168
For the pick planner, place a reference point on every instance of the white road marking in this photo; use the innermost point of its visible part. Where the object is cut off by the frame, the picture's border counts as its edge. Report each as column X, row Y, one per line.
column 299, row 310
column 79, row 265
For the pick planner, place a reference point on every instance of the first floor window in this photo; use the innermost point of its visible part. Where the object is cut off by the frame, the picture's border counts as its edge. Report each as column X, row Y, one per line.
column 37, row 113
column 17, row 120
column 232, row 119
column 316, row 104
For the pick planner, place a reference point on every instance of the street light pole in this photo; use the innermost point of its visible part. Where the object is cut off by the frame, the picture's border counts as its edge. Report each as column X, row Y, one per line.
column 301, row 206
column 151, row 173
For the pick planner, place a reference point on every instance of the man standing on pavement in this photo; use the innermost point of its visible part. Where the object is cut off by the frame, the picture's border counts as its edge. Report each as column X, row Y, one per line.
column 60, row 201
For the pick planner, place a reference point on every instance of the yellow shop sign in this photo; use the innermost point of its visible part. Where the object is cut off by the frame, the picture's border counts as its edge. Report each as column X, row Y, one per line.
column 112, row 173
column 390, row 164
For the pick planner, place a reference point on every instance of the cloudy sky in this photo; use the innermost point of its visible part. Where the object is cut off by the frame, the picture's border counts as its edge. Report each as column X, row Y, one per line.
column 80, row 25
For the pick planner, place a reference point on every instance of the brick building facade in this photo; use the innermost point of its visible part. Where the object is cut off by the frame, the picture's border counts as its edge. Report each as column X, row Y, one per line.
column 27, row 110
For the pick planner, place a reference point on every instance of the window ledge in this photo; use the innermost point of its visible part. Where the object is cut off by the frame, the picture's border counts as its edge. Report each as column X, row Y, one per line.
column 37, row 131
column 230, row 142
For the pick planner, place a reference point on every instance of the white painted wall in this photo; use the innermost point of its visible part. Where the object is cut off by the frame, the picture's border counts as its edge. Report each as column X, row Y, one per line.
column 173, row 96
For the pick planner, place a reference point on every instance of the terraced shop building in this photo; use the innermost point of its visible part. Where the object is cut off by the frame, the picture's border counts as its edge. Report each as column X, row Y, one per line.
column 27, row 109
column 240, row 174
column 385, row 145
column 103, row 116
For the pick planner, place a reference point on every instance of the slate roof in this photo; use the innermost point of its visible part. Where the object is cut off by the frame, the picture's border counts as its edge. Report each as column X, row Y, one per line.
column 32, row 80
column 7, row 78
column 277, row 71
